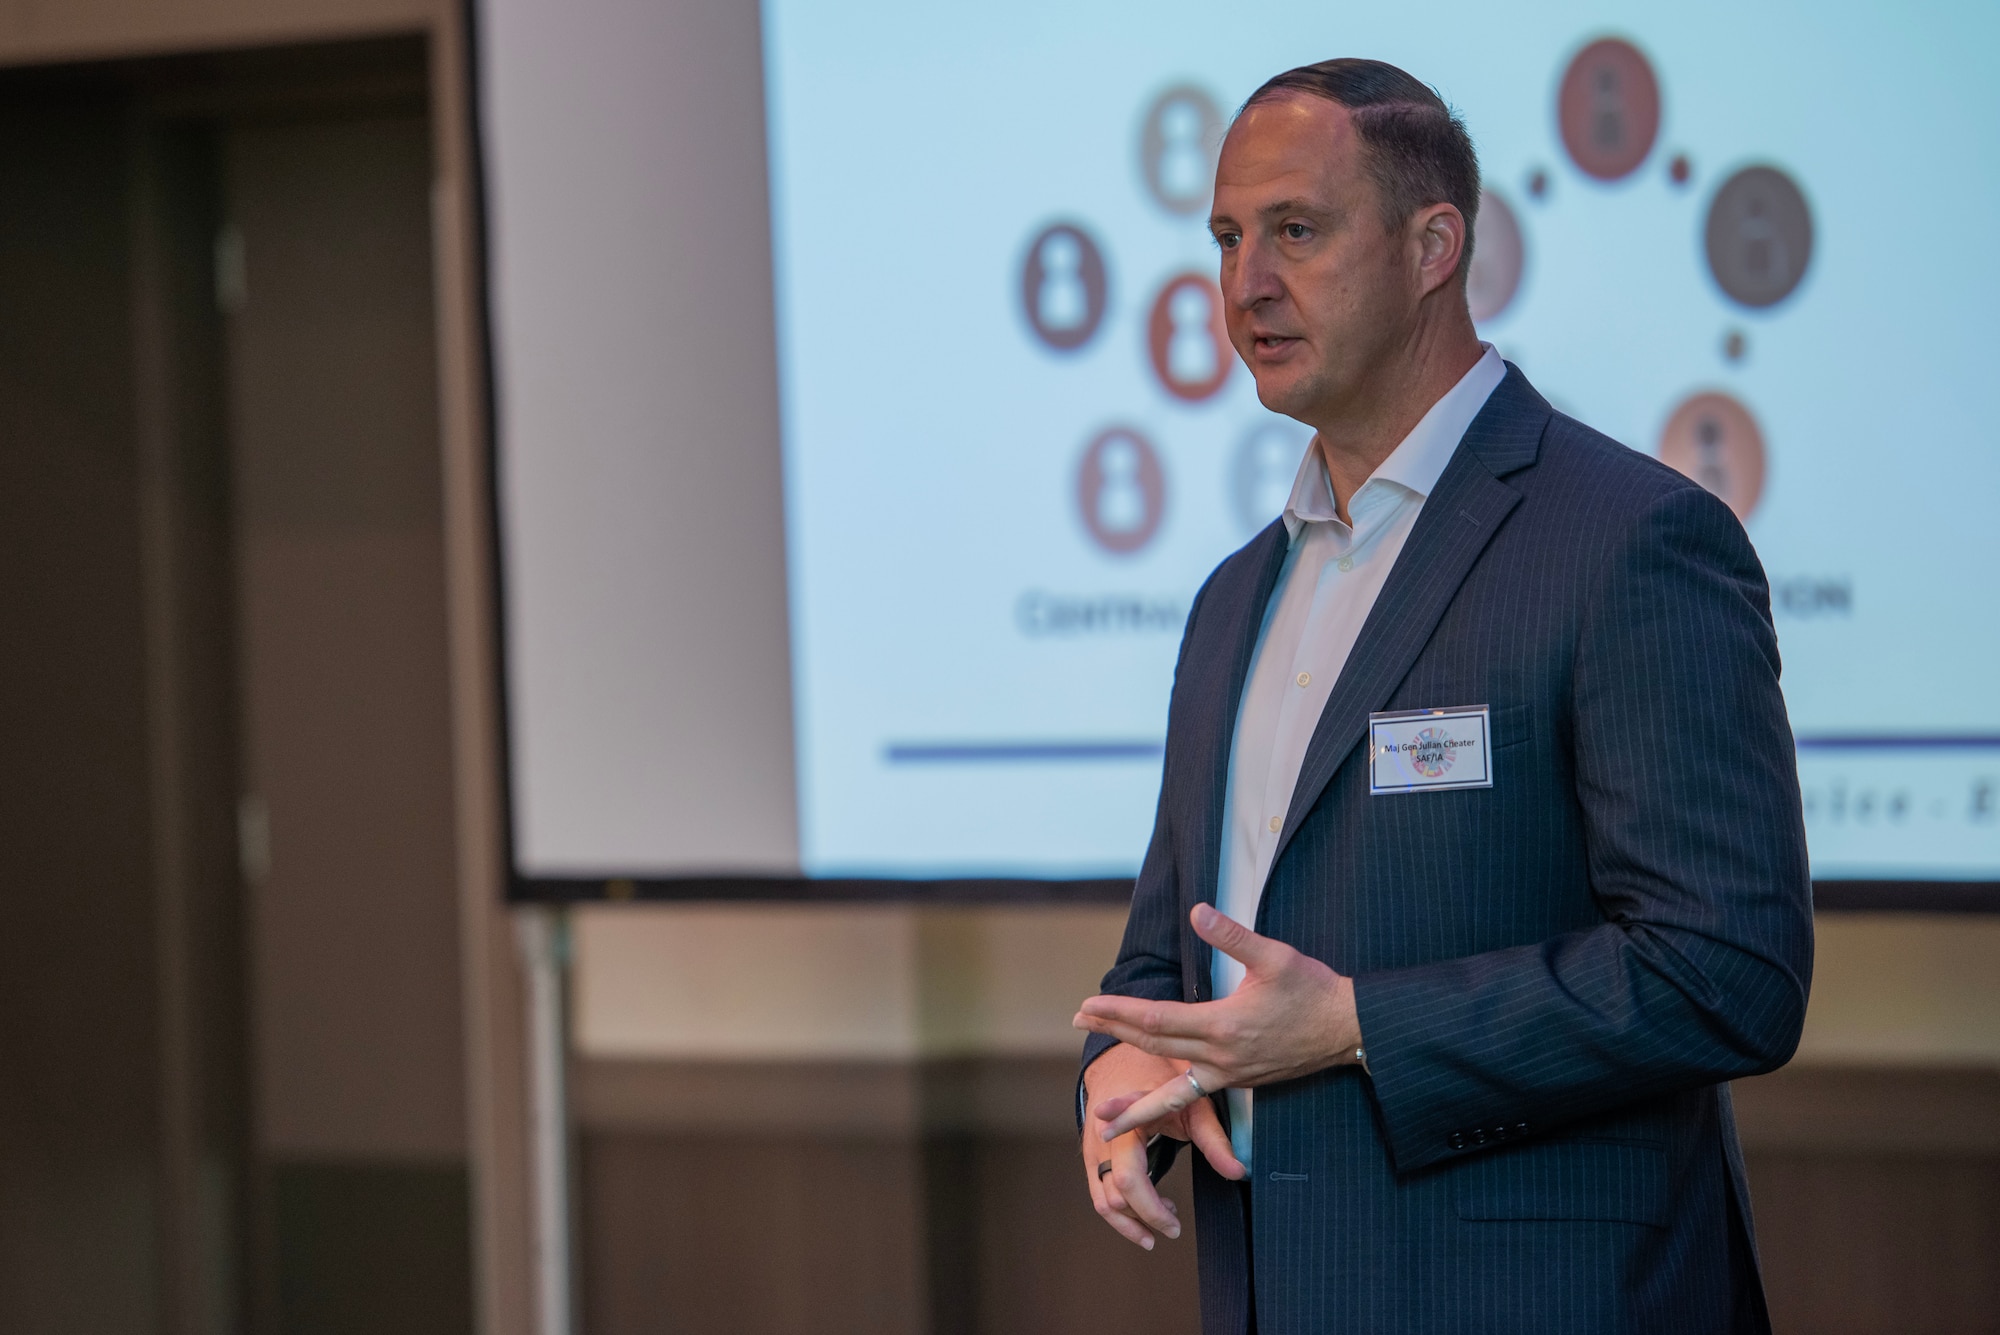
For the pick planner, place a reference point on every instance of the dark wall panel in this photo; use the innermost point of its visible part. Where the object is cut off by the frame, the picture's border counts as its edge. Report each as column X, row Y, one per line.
column 78, row 1105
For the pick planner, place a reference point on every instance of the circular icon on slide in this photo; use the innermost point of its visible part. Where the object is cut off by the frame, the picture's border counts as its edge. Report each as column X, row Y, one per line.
column 1121, row 491
column 1759, row 236
column 1608, row 108
column 1186, row 340
column 1714, row 440
column 1178, row 144
column 1264, row 469
column 1498, row 257
column 1063, row 286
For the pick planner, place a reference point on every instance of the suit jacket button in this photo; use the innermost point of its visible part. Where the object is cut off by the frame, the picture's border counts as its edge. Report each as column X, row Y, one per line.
column 1478, row 1136
column 1457, row 1140
column 1520, row 1128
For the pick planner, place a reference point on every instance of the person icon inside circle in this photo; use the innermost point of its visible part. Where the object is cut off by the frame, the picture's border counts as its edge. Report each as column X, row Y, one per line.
column 1184, row 338
column 1177, row 145
column 1609, row 122
column 1184, row 166
column 1063, row 286
column 1121, row 492
column 1764, row 257
column 1712, row 469
column 1063, row 302
column 1191, row 355
column 1121, row 501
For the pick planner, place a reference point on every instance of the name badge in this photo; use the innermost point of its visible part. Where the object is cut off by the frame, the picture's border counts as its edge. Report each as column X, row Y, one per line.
column 1423, row 750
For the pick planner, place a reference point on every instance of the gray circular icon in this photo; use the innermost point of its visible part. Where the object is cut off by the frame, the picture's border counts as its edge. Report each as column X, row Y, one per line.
column 1263, row 470
column 1063, row 286
column 1760, row 236
column 1178, row 145
column 1498, row 257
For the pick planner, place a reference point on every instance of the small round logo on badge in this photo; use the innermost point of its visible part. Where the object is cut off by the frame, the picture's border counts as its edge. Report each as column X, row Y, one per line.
column 1430, row 752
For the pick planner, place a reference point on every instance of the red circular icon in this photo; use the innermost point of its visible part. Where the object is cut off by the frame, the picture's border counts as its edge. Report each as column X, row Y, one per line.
column 1713, row 439
column 1121, row 491
column 1186, row 338
column 1609, row 108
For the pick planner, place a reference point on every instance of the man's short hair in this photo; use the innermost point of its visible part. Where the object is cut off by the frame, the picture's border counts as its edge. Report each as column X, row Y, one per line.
column 1417, row 149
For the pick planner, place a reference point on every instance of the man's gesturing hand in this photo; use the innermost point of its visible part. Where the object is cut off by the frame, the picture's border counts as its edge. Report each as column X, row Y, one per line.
column 1123, row 1193
column 1290, row 1016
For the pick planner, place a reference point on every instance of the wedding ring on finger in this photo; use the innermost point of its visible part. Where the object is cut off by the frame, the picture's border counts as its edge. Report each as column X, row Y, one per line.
column 1195, row 1084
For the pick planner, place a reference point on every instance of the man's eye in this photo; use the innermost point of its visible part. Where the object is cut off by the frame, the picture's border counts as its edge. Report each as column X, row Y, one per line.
column 1227, row 240
column 1297, row 231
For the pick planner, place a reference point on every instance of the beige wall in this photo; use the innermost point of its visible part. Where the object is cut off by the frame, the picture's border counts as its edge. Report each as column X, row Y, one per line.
column 876, row 982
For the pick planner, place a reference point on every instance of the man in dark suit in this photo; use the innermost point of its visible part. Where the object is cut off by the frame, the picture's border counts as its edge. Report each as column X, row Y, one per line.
column 1484, row 739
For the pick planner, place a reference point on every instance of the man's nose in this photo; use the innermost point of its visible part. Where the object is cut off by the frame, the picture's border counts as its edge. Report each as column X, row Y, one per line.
column 1253, row 279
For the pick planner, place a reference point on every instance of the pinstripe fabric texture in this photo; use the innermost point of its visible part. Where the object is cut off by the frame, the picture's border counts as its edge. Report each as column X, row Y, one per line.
column 1553, row 975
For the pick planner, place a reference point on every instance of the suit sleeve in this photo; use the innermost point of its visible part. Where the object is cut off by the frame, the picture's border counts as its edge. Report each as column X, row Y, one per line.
column 1687, row 778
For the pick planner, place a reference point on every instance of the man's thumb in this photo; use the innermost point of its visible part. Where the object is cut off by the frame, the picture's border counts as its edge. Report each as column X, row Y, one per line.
column 1229, row 936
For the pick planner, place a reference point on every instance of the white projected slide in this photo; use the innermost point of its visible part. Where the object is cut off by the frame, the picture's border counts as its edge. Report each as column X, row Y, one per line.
column 898, row 592
column 1016, row 440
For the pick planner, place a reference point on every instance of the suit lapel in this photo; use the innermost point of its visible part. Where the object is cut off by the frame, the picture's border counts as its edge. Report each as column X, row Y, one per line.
column 1237, row 637
column 1458, row 519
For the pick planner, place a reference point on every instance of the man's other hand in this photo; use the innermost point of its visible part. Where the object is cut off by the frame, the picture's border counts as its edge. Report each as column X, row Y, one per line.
column 1125, row 1195
column 1290, row 1016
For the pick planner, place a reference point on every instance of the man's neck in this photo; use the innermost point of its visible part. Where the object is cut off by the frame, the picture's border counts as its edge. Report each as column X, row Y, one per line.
column 1354, row 442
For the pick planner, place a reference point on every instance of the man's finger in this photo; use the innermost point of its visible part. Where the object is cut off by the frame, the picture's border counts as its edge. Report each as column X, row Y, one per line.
column 1165, row 1101
column 1205, row 1130
column 1233, row 939
column 1133, row 1187
column 1176, row 1019
column 1160, row 1045
column 1131, row 1205
column 1104, row 1197
column 1116, row 1104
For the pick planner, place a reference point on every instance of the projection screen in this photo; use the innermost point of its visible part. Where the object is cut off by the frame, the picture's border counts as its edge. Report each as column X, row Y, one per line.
column 863, row 427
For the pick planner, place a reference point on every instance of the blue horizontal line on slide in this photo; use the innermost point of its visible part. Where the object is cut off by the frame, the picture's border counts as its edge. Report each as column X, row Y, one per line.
column 1003, row 753
column 1866, row 742
column 1098, row 750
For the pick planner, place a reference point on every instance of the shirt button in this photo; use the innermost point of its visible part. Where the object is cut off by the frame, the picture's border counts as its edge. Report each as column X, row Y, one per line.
column 1277, row 823
column 1347, row 563
column 1305, row 678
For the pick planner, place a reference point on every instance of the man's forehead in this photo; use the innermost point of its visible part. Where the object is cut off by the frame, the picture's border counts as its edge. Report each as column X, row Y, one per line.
column 1287, row 145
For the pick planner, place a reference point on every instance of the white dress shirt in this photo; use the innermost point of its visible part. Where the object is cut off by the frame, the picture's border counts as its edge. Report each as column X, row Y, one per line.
column 1332, row 574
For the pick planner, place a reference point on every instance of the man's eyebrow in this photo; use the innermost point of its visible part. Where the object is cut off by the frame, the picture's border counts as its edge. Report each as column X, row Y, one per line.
column 1294, row 206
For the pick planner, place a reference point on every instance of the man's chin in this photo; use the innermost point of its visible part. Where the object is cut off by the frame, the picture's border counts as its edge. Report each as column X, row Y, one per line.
column 1288, row 395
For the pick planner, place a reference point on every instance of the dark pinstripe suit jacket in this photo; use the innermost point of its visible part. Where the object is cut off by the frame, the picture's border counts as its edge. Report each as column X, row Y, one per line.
column 1553, row 974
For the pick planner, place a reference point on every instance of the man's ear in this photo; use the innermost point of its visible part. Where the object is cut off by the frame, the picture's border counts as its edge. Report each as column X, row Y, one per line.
column 1440, row 235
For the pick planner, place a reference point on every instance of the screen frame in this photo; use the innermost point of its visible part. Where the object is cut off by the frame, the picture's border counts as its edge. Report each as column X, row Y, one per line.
column 520, row 888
